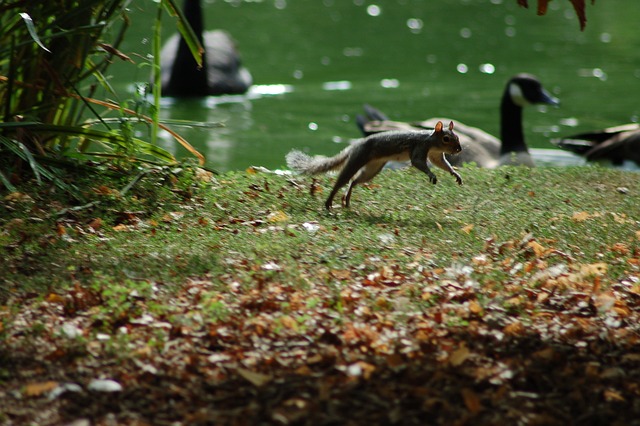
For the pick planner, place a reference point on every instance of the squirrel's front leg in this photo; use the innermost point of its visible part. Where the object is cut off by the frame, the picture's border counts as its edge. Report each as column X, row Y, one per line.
column 440, row 160
column 419, row 161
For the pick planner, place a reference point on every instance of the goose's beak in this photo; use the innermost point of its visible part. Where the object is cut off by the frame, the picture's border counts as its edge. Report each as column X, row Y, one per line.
column 546, row 98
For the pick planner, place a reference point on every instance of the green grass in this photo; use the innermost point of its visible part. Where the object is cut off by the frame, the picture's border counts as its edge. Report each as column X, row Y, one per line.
column 171, row 226
column 245, row 289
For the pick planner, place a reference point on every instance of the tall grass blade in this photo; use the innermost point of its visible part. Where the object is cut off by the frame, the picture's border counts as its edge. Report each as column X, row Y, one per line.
column 6, row 182
column 185, row 30
column 32, row 30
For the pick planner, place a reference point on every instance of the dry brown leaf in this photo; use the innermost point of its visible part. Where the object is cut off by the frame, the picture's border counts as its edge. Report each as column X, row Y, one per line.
column 277, row 216
column 613, row 395
column 475, row 308
column 55, row 298
column 467, row 228
column 256, row 379
column 37, row 389
column 537, row 248
column 514, row 329
column 341, row 274
column 289, row 322
column 620, row 248
column 593, row 269
column 361, row 369
column 546, row 354
column 395, row 360
column 471, row 400
column 583, row 216
column 605, row 301
column 460, row 355
column 96, row 224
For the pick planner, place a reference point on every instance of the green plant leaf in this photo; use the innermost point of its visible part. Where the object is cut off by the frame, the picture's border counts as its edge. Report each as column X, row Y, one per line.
column 108, row 138
column 21, row 151
column 32, row 30
column 185, row 30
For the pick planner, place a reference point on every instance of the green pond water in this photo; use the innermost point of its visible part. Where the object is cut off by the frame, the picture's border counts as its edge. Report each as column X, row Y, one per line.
column 315, row 62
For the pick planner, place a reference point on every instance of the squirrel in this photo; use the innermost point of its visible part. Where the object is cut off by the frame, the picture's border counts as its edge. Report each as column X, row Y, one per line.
column 363, row 160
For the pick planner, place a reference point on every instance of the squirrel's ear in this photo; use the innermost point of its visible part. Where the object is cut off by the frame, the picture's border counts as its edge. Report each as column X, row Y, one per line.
column 438, row 127
column 451, row 125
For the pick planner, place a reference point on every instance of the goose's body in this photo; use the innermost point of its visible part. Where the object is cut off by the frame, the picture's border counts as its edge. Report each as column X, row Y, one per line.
column 616, row 144
column 478, row 146
column 221, row 73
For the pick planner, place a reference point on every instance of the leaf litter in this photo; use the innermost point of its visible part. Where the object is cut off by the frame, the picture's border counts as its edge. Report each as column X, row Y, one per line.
column 521, row 333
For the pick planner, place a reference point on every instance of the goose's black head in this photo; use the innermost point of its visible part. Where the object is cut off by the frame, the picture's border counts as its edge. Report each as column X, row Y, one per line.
column 525, row 89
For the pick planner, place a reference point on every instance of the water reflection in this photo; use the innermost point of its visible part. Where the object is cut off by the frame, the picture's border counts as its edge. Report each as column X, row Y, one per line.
column 336, row 85
column 219, row 118
column 318, row 62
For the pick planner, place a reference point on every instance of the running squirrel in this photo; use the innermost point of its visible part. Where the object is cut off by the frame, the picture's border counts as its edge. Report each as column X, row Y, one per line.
column 363, row 160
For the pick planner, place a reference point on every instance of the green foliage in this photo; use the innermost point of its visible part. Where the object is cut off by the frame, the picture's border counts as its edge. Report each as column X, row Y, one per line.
column 53, row 60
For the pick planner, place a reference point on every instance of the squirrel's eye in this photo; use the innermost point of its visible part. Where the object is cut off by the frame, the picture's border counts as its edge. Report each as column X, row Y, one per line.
column 446, row 139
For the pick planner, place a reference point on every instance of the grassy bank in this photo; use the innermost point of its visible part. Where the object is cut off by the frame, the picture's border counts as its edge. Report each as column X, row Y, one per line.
column 239, row 300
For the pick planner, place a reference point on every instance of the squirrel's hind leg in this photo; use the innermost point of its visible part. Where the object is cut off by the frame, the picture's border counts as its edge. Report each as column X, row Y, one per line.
column 365, row 174
column 343, row 178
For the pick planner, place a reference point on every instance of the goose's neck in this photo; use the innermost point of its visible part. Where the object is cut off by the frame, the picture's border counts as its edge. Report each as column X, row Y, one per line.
column 511, row 132
column 193, row 13
column 185, row 75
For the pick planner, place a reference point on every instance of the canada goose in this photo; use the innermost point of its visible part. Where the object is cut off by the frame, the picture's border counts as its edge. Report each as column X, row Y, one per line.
column 221, row 73
column 477, row 145
column 616, row 144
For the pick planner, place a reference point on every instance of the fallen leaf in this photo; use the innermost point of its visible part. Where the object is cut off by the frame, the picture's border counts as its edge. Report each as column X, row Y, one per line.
column 514, row 329
column 271, row 266
column 256, row 379
column 95, row 224
column 460, row 355
column 605, row 301
column 289, row 322
column 537, row 248
column 277, row 216
column 395, row 360
column 37, row 389
column 593, row 269
column 613, row 395
column 471, row 400
column 620, row 248
column 360, row 369
column 467, row 228
column 475, row 308
column 580, row 216
column 55, row 298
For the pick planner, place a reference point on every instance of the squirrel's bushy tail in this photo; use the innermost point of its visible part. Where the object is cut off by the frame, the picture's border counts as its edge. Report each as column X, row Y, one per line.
column 303, row 163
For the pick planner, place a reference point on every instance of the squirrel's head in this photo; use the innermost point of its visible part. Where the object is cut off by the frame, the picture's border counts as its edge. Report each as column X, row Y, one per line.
column 449, row 141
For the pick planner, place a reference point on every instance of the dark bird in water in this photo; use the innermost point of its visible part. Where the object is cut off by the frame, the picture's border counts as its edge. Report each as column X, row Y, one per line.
column 616, row 144
column 221, row 73
column 479, row 146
